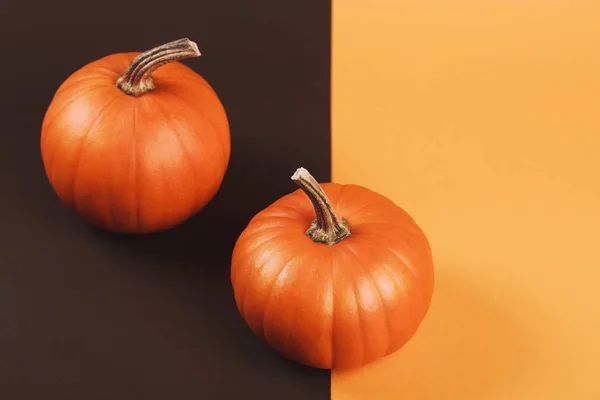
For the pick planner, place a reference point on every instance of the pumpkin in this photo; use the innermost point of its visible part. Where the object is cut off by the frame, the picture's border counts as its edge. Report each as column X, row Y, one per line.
column 136, row 142
column 334, row 283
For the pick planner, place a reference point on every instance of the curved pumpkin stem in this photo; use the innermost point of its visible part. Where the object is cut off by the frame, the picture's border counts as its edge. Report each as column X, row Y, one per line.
column 328, row 228
column 137, row 78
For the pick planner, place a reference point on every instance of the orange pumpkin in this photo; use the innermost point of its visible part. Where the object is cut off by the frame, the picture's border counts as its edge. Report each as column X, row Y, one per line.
column 338, row 291
column 135, row 148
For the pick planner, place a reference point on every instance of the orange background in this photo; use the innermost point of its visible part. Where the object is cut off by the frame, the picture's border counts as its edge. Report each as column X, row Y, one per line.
column 482, row 120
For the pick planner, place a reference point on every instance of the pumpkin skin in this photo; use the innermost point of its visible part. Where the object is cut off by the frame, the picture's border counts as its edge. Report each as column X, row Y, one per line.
column 333, row 306
column 136, row 163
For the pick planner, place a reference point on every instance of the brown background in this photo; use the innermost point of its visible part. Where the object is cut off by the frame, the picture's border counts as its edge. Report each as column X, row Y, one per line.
column 86, row 315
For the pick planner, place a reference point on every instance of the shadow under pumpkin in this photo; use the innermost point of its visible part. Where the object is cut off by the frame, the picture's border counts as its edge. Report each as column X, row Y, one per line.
column 192, row 263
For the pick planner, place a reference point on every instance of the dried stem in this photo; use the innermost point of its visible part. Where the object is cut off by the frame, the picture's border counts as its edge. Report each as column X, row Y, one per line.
column 328, row 227
column 137, row 78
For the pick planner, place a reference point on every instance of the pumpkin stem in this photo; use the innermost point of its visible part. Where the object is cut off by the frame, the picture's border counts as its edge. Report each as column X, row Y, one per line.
column 328, row 228
column 137, row 78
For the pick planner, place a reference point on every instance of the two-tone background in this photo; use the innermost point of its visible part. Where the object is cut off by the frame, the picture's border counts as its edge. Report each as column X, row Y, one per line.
column 480, row 118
